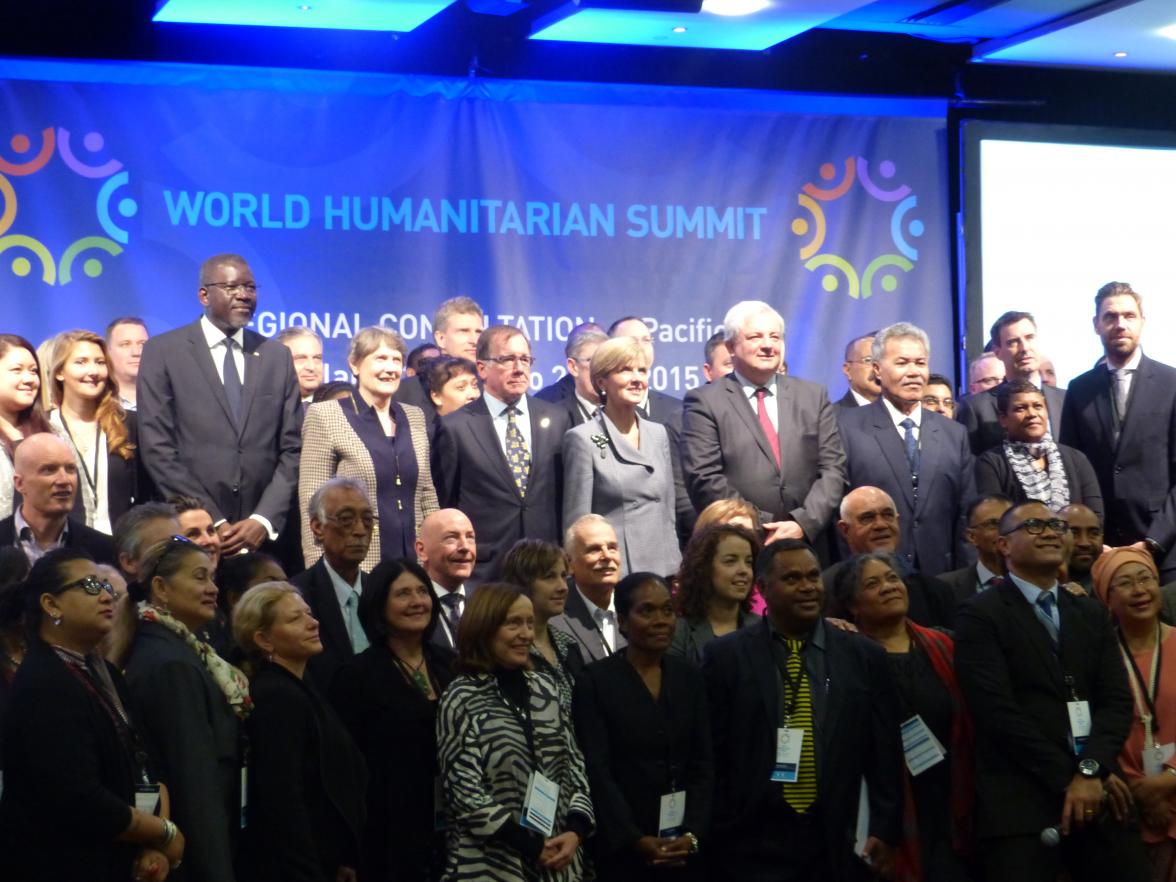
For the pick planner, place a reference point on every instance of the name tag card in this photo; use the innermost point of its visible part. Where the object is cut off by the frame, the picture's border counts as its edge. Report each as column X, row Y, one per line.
column 920, row 746
column 147, row 798
column 788, row 744
column 1155, row 757
column 670, row 814
column 540, row 805
column 1079, row 723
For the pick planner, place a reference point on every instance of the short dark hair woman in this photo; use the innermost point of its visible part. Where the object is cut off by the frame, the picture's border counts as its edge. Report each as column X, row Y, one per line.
column 73, row 758
column 642, row 721
column 387, row 696
column 501, row 735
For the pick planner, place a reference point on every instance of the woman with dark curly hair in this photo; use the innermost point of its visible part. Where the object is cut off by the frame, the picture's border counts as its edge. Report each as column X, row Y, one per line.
column 714, row 587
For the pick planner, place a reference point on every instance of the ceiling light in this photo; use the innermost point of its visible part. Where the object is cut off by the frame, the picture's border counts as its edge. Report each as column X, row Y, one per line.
column 734, row 7
column 679, row 30
column 1169, row 32
column 1120, row 54
column 305, row 8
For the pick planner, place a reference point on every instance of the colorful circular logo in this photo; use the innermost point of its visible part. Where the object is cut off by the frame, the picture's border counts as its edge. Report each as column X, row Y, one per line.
column 881, row 271
column 30, row 250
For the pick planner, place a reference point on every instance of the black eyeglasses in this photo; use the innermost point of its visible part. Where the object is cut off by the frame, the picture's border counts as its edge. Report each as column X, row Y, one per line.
column 1036, row 526
column 92, row 585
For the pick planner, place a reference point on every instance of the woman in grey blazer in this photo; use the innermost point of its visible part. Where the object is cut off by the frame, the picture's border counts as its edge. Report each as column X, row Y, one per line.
column 618, row 465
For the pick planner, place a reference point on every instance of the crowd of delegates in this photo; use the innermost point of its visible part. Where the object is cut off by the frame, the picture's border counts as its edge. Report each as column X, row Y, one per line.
column 427, row 625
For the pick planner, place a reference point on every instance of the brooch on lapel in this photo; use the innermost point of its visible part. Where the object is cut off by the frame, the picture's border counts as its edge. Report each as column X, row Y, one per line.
column 601, row 443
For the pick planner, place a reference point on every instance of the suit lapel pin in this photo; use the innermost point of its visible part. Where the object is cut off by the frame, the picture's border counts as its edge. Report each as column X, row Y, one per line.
column 544, row 422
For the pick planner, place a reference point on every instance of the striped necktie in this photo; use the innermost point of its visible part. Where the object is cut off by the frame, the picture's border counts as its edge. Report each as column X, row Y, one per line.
column 802, row 793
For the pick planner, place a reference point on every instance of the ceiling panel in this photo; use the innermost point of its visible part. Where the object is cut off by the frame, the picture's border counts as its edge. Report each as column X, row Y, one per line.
column 356, row 15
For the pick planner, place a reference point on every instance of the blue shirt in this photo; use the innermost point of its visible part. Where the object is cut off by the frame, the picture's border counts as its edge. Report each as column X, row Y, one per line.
column 1032, row 593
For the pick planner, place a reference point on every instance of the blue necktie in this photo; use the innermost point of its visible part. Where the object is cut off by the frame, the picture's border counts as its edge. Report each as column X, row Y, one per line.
column 232, row 380
column 912, row 445
column 1045, row 609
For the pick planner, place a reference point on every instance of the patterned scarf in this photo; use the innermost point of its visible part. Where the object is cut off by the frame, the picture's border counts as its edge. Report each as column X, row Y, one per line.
column 1048, row 485
column 231, row 681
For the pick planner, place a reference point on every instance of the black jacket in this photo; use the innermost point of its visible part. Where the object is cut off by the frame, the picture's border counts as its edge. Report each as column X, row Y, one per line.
column 98, row 545
column 319, row 593
column 995, row 475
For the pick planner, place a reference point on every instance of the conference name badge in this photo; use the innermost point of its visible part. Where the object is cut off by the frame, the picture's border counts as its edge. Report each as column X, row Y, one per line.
column 920, row 746
column 670, row 814
column 788, row 744
column 1079, row 723
column 147, row 798
column 1155, row 757
column 540, row 805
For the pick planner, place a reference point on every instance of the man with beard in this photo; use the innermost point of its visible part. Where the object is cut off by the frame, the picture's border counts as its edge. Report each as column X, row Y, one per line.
column 1086, row 535
column 589, row 617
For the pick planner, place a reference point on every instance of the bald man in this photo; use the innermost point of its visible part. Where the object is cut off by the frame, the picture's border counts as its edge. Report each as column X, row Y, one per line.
column 447, row 548
column 45, row 474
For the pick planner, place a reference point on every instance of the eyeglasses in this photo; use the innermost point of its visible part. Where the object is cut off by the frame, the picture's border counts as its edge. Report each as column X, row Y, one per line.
column 347, row 519
column 866, row 361
column 233, row 287
column 92, row 585
column 513, row 361
column 931, row 400
column 1143, row 580
column 1036, row 526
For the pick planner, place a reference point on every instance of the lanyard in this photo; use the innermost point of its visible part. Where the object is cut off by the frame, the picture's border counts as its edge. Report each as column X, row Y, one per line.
column 91, row 478
column 1145, row 697
column 523, row 715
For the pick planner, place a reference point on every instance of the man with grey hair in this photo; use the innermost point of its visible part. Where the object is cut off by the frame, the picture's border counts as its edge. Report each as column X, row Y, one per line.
column 985, row 372
column 764, row 437
column 918, row 457
column 573, row 390
column 306, row 351
column 595, row 560
column 139, row 528
column 342, row 521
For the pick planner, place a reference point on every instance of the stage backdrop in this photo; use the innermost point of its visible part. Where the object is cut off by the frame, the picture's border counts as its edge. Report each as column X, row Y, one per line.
column 369, row 199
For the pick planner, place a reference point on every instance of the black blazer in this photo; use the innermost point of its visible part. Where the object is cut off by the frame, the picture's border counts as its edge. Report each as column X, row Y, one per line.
column 194, row 737
column 1137, row 473
column 63, row 760
column 846, row 400
column 637, row 749
column 98, row 545
column 977, row 413
column 394, row 727
column 306, row 784
column 1014, row 684
column 995, row 475
column 856, row 717
column 563, row 394
column 319, row 593
column 471, row 473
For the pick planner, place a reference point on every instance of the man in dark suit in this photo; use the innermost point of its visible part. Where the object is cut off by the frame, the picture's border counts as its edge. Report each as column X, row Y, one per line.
column 983, row 519
column 574, row 389
column 498, row 458
column 457, row 324
column 589, row 616
column 920, row 458
column 1122, row 415
column 447, row 548
column 1086, row 543
column 1014, row 342
column 45, row 474
column 1041, row 672
column 764, row 437
column 793, row 817
column 342, row 522
column 219, row 412
column 858, row 368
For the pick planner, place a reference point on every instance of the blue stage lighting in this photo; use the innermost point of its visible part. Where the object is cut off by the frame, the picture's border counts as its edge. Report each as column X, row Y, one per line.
column 355, row 15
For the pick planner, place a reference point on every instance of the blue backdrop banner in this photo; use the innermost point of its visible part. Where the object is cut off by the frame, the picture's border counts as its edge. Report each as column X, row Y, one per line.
column 369, row 199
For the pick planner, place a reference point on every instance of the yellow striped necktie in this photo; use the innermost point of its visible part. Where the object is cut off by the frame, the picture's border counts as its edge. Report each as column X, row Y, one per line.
column 802, row 793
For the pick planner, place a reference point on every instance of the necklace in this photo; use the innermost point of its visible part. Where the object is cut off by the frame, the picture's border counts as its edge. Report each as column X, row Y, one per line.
column 416, row 676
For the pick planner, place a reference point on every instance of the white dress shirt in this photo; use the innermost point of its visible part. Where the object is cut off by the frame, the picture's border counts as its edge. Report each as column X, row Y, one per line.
column 499, row 418
column 749, row 389
column 606, row 619
column 898, row 416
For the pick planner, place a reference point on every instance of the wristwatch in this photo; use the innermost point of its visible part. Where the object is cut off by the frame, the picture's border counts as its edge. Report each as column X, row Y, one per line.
column 1089, row 768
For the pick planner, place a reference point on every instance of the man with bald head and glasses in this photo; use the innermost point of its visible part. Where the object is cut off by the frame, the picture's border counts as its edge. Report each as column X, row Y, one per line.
column 220, row 414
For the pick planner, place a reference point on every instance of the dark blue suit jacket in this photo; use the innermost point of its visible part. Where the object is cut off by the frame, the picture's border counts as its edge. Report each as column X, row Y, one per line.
column 931, row 522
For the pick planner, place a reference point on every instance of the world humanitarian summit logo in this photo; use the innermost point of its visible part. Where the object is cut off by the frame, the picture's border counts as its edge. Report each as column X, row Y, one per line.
column 882, row 270
column 24, row 253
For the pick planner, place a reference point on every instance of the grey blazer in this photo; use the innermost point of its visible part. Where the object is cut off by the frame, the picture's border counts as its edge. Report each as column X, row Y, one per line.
column 577, row 623
column 634, row 489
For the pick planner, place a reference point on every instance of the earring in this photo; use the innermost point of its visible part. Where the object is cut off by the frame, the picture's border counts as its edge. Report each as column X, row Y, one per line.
column 57, row 620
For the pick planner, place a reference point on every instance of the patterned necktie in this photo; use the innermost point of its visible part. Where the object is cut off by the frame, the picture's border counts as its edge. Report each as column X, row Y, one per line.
column 1045, row 612
column 517, row 454
column 452, row 604
column 911, row 443
column 232, row 380
column 802, row 793
column 765, row 421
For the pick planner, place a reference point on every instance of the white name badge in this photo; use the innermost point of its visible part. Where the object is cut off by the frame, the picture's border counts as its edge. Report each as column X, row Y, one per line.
column 788, row 744
column 1079, row 723
column 920, row 746
column 147, row 798
column 670, row 814
column 438, row 805
column 540, row 805
column 1155, row 757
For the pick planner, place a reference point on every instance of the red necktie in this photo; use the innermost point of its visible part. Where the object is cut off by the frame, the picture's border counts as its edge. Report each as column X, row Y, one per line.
column 765, row 421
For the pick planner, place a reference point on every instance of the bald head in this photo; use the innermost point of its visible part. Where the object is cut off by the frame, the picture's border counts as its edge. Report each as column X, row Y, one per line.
column 447, row 548
column 869, row 520
column 46, row 476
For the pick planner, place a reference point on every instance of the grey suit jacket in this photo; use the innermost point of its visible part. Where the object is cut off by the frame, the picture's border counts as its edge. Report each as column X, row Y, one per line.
column 977, row 414
column 577, row 623
column 187, row 437
column 725, row 453
column 633, row 489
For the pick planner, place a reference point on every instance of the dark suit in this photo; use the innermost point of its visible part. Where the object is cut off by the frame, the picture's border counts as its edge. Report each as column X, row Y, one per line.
column 319, row 593
column 98, row 545
column 846, row 400
column 1136, row 471
column 977, row 413
column 189, row 442
column 995, row 475
column 931, row 521
column 192, row 734
column 1015, row 685
column 638, row 748
column 577, row 623
column 563, row 393
column 412, row 390
column 856, row 727
column 306, row 784
column 964, row 582
column 472, row 474
column 725, row 453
